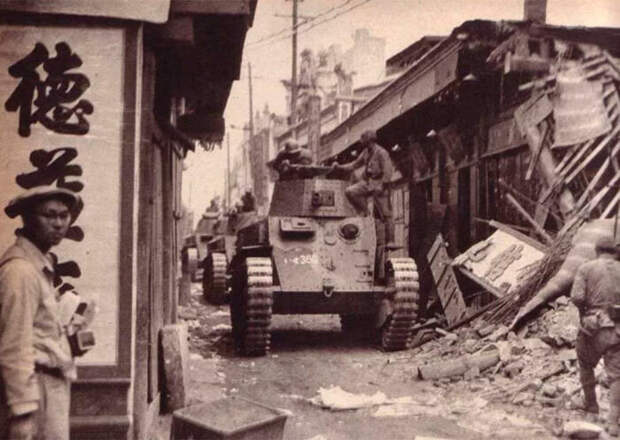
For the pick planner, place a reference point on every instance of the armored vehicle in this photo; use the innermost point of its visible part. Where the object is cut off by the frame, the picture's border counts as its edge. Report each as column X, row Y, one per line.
column 220, row 250
column 195, row 248
column 314, row 254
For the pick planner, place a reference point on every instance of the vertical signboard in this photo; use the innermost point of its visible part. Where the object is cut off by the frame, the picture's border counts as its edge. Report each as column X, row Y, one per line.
column 63, row 122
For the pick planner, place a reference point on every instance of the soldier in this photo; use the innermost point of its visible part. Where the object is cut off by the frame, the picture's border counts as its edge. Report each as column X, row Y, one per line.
column 596, row 287
column 36, row 365
column 292, row 154
column 375, row 177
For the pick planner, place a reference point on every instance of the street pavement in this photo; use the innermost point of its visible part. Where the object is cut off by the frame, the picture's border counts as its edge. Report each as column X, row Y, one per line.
column 310, row 353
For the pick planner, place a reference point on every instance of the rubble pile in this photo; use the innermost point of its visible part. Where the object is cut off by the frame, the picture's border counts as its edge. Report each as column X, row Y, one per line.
column 536, row 367
column 570, row 120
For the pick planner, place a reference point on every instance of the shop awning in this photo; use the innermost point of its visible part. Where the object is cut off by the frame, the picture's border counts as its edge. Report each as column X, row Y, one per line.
column 153, row 11
column 431, row 74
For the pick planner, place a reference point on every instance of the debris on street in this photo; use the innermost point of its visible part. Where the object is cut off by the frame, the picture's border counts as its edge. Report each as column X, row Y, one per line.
column 582, row 430
column 335, row 398
column 462, row 365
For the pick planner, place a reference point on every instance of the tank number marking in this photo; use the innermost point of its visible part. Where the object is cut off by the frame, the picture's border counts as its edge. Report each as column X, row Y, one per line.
column 302, row 259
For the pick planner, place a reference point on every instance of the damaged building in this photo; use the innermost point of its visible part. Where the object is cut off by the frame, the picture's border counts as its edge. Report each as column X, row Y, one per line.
column 505, row 137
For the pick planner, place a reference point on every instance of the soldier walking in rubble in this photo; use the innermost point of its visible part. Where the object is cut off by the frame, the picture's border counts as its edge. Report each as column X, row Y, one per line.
column 596, row 287
column 376, row 175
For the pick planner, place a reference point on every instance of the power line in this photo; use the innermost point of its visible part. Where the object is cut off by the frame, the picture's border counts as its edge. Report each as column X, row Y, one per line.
column 302, row 23
column 273, row 41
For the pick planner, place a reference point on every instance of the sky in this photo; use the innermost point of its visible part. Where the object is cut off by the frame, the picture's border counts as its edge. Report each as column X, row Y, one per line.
column 400, row 22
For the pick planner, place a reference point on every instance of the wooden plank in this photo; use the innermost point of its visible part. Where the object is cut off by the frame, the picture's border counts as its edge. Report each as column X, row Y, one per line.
column 589, row 207
column 568, row 155
column 542, row 212
column 169, row 260
column 448, row 290
column 593, row 154
column 537, row 149
column 607, row 212
column 597, row 177
column 529, row 240
column 529, row 218
column 484, row 283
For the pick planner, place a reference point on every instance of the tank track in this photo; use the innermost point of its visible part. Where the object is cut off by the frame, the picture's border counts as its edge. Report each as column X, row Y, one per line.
column 258, row 301
column 214, row 278
column 403, row 280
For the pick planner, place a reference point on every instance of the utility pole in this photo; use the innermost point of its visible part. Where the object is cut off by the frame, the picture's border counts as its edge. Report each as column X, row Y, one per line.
column 251, row 108
column 294, row 71
column 227, row 171
column 251, row 126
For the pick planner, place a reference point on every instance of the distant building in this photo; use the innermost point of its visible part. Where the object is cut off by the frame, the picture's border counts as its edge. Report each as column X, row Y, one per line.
column 366, row 58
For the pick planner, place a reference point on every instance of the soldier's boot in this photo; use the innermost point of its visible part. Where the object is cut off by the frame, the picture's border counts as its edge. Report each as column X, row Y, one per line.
column 614, row 409
column 588, row 384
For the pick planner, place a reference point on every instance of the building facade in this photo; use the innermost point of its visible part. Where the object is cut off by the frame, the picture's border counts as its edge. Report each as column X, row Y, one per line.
column 107, row 100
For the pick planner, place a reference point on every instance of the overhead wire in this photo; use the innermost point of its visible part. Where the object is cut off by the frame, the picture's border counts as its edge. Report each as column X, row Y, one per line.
column 290, row 29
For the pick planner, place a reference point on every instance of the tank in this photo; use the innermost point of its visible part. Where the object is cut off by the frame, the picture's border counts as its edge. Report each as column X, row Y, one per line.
column 314, row 254
column 195, row 246
column 220, row 249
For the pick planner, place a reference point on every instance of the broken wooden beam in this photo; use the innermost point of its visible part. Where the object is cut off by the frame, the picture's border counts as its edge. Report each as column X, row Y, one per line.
column 529, row 218
column 459, row 366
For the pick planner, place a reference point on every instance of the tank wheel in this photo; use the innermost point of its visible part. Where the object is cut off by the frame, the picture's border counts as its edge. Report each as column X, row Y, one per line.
column 192, row 264
column 250, row 306
column 402, row 280
column 356, row 323
column 214, row 278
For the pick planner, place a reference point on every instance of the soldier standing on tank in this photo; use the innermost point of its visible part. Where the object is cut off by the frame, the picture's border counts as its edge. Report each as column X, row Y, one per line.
column 597, row 287
column 377, row 168
column 292, row 154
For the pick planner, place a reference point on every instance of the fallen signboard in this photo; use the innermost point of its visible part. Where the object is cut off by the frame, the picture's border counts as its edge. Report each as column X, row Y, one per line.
column 501, row 262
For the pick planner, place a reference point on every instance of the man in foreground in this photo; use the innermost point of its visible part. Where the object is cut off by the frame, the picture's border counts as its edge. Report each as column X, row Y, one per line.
column 36, row 365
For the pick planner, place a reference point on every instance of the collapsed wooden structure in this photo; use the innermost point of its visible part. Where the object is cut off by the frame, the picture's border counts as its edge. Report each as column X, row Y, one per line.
column 514, row 123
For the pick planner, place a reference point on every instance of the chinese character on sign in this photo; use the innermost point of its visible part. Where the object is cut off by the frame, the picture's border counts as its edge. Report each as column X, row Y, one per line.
column 50, row 170
column 54, row 167
column 51, row 104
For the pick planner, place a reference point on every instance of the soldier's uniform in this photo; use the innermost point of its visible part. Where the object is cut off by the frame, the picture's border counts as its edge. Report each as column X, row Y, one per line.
column 377, row 169
column 595, row 288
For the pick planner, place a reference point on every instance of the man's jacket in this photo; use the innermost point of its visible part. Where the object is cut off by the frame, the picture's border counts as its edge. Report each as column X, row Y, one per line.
column 30, row 330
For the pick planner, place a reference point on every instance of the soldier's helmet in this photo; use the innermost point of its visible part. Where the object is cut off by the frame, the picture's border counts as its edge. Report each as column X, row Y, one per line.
column 605, row 244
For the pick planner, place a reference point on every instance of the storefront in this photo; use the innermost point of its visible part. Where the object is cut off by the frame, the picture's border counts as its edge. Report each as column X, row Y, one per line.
column 92, row 103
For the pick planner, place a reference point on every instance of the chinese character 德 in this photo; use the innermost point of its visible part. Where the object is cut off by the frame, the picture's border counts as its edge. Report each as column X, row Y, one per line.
column 53, row 94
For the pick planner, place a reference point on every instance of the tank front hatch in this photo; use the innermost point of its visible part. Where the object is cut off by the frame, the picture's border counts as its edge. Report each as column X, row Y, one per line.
column 310, row 198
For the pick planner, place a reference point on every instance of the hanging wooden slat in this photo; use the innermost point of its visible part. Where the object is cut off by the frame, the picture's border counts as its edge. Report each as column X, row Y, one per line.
column 599, row 174
column 589, row 207
column 609, row 209
column 568, row 155
column 536, row 150
column 529, row 218
column 594, row 153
